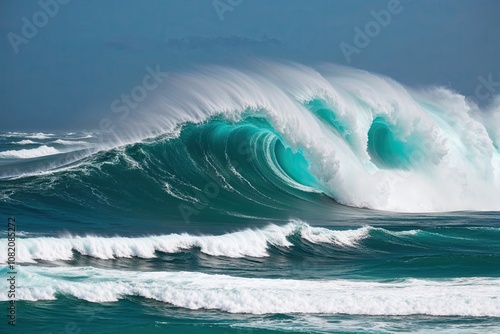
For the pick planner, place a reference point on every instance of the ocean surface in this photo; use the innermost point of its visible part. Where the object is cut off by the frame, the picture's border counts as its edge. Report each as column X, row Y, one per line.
column 281, row 199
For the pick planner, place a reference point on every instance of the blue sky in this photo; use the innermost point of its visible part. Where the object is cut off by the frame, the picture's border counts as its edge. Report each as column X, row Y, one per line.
column 89, row 52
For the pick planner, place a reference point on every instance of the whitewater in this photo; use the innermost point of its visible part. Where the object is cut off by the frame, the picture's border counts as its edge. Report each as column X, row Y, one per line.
column 463, row 297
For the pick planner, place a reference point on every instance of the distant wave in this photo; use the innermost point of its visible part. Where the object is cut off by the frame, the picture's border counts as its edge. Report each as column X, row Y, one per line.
column 25, row 142
column 476, row 297
column 14, row 134
column 69, row 142
column 39, row 135
column 41, row 151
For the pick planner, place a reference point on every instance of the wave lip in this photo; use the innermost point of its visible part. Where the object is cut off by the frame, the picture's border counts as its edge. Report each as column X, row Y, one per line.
column 246, row 243
column 476, row 297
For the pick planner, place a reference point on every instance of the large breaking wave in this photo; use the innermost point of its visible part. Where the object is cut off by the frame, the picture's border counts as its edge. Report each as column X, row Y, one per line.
column 280, row 134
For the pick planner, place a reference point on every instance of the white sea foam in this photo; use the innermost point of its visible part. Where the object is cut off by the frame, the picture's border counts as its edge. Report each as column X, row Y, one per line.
column 14, row 134
column 25, row 142
column 30, row 153
column 39, row 135
column 343, row 237
column 69, row 142
column 454, row 297
column 406, row 233
column 245, row 243
column 85, row 136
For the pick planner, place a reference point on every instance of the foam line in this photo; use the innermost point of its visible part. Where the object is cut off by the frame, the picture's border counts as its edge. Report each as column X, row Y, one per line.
column 246, row 243
column 41, row 151
column 475, row 297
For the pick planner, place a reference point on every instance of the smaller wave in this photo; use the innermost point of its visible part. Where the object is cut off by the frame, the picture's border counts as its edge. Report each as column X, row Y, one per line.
column 86, row 136
column 41, row 151
column 405, row 233
column 319, row 235
column 13, row 134
column 246, row 243
column 25, row 142
column 25, row 234
column 39, row 135
column 69, row 142
column 476, row 297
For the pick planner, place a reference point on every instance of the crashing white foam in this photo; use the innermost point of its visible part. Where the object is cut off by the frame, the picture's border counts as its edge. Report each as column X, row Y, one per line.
column 39, row 135
column 69, row 142
column 454, row 297
column 451, row 146
column 451, row 157
column 41, row 151
column 24, row 142
column 246, row 243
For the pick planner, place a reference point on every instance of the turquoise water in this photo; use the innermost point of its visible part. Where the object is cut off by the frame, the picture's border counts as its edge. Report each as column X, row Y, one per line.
column 305, row 220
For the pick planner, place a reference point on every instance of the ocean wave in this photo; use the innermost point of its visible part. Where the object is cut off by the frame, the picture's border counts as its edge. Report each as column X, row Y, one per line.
column 245, row 243
column 69, row 142
column 474, row 297
column 25, row 142
column 41, row 151
column 367, row 140
column 39, row 135
column 14, row 134
column 362, row 139
column 248, row 242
